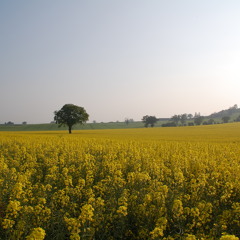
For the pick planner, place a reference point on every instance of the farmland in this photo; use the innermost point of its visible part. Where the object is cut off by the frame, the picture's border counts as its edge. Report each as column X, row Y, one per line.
column 88, row 126
column 156, row 183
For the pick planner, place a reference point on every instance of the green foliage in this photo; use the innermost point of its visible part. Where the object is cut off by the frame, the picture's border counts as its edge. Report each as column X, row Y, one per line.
column 169, row 124
column 149, row 120
column 176, row 119
column 225, row 119
column 183, row 119
column 70, row 115
column 237, row 119
column 227, row 112
column 198, row 119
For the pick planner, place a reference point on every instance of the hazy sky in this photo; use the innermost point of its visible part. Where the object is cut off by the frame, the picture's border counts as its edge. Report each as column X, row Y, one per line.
column 118, row 58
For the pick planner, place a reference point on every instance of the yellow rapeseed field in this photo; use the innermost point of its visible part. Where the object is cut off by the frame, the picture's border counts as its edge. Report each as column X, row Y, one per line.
column 155, row 183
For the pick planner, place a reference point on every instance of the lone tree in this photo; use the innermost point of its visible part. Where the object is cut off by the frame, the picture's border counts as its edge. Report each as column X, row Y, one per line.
column 149, row 120
column 70, row 115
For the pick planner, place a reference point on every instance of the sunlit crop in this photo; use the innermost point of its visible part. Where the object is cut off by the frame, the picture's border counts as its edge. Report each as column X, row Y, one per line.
column 158, row 183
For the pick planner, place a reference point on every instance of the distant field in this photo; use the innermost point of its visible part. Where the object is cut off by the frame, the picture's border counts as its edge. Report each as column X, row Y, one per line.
column 102, row 125
column 54, row 127
column 218, row 132
column 145, row 183
column 87, row 126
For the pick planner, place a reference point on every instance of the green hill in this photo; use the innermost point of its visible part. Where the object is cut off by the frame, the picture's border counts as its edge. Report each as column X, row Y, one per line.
column 232, row 112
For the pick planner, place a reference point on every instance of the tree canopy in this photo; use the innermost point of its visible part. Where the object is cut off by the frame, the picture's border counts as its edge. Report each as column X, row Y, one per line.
column 70, row 115
column 198, row 119
column 149, row 120
column 225, row 119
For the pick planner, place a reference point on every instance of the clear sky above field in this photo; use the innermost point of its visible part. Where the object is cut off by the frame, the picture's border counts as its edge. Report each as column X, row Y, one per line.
column 118, row 59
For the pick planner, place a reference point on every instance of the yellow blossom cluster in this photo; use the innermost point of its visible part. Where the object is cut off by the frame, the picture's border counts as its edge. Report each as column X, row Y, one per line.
column 176, row 183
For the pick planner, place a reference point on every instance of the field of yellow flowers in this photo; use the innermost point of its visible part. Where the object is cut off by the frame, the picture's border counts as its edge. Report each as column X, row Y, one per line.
column 158, row 183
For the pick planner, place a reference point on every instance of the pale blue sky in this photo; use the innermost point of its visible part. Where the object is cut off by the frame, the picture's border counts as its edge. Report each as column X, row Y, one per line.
column 118, row 58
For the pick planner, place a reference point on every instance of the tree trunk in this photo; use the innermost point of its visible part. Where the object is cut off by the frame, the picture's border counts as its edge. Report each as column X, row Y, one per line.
column 70, row 129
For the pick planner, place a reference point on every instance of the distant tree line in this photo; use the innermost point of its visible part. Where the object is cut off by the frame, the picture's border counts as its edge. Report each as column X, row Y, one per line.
column 12, row 123
column 196, row 119
column 149, row 120
column 226, row 112
column 71, row 114
column 9, row 123
column 237, row 119
column 128, row 120
column 184, row 120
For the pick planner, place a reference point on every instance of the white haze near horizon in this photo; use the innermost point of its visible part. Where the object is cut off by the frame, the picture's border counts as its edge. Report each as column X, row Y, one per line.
column 118, row 59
